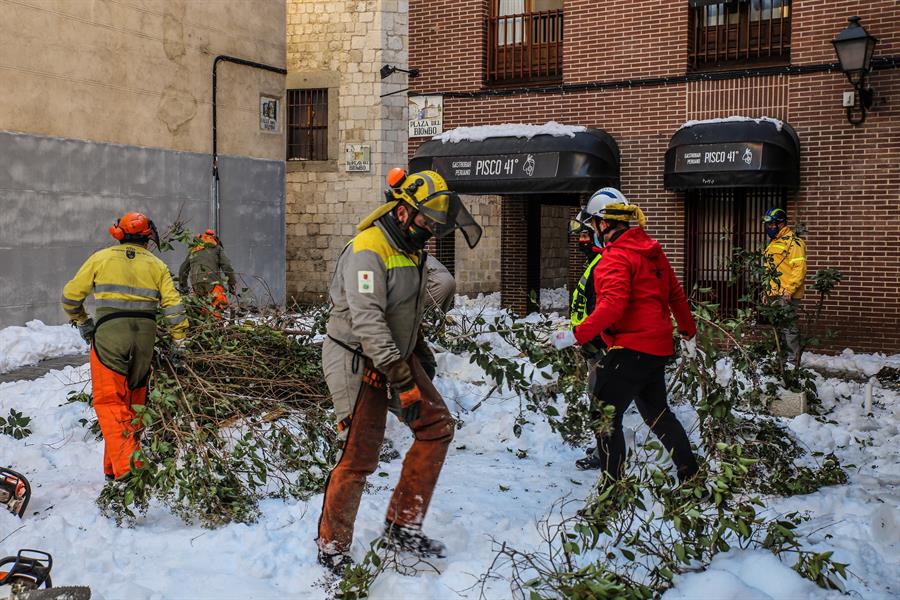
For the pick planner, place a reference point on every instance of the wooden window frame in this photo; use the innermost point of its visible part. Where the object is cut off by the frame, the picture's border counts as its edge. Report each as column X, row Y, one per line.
column 531, row 48
column 739, row 35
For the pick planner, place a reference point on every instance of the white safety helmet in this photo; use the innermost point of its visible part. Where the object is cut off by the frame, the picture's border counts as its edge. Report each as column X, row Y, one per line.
column 601, row 204
column 611, row 205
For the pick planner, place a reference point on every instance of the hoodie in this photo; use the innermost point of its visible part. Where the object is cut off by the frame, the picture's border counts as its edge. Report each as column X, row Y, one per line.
column 637, row 291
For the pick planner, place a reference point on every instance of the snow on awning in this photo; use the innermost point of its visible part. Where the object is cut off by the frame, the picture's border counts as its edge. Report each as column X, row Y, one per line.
column 734, row 152
column 522, row 159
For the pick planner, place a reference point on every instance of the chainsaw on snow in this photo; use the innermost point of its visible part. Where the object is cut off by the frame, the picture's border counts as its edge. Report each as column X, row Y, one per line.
column 15, row 491
column 29, row 579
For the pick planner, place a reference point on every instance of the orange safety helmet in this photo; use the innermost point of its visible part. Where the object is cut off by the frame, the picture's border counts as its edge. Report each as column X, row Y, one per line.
column 134, row 227
column 205, row 240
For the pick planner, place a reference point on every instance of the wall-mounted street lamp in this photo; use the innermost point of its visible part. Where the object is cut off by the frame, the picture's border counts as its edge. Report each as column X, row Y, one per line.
column 388, row 70
column 854, row 48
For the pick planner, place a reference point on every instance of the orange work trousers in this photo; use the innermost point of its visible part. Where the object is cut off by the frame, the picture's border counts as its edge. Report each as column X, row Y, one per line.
column 113, row 402
column 433, row 432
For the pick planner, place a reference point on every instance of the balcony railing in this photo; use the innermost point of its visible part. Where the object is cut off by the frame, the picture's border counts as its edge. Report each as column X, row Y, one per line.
column 738, row 32
column 525, row 47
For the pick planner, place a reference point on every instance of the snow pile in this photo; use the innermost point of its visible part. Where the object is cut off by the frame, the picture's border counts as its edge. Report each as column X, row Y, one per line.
column 20, row 346
column 555, row 299
column 521, row 130
column 849, row 362
column 737, row 574
column 494, row 486
column 778, row 124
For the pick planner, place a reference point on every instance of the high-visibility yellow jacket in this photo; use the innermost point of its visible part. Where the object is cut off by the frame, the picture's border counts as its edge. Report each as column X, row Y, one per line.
column 788, row 255
column 126, row 277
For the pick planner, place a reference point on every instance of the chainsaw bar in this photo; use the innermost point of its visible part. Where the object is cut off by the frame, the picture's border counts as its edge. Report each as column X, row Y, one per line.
column 66, row 592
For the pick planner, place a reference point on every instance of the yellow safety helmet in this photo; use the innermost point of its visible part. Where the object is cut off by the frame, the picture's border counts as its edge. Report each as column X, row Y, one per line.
column 427, row 193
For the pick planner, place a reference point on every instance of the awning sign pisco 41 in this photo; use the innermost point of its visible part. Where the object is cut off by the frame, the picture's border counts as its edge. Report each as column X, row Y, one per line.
column 498, row 166
column 719, row 157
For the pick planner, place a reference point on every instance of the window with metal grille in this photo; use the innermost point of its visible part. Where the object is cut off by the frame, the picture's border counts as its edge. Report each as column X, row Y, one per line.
column 737, row 32
column 524, row 41
column 717, row 222
column 307, row 130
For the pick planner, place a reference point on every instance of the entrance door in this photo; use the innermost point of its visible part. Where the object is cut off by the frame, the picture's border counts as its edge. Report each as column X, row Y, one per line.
column 717, row 222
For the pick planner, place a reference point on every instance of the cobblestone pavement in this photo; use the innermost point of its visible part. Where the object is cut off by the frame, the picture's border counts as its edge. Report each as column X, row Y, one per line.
column 44, row 367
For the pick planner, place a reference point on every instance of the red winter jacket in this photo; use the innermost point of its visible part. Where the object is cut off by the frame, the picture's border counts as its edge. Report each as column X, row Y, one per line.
column 636, row 292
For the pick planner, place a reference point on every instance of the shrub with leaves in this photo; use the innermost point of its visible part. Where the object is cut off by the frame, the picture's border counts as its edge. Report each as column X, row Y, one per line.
column 240, row 414
column 636, row 534
column 15, row 424
column 539, row 382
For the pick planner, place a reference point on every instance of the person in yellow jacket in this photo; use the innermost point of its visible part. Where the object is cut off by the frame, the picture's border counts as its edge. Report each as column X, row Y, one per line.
column 787, row 255
column 129, row 285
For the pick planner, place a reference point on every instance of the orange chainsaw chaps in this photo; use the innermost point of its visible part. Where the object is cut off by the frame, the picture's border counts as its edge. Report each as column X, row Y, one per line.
column 113, row 403
column 433, row 432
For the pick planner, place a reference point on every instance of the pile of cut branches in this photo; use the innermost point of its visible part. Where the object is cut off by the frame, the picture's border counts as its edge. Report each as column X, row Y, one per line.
column 241, row 413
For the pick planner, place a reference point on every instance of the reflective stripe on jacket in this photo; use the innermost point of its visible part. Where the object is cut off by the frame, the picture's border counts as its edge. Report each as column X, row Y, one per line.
column 378, row 297
column 584, row 296
column 126, row 277
column 788, row 254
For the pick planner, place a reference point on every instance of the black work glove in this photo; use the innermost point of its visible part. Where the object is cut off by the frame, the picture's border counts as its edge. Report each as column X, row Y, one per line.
column 86, row 330
column 425, row 355
column 410, row 403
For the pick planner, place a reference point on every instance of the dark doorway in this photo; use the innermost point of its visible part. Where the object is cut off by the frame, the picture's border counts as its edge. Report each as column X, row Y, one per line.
column 718, row 221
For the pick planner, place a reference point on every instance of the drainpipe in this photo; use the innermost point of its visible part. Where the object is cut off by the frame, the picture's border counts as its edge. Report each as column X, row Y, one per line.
column 215, row 147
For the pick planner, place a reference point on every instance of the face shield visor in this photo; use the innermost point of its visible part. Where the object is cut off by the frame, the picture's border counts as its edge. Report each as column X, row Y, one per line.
column 154, row 234
column 581, row 223
column 445, row 213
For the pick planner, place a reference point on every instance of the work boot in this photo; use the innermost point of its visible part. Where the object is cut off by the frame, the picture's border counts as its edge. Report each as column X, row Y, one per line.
column 335, row 562
column 591, row 462
column 411, row 539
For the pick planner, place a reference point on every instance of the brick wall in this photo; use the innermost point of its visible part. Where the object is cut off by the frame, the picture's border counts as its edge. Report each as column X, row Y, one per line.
column 513, row 278
column 850, row 176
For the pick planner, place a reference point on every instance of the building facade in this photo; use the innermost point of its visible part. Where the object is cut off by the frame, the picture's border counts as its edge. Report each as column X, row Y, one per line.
column 344, row 132
column 639, row 71
column 107, row 107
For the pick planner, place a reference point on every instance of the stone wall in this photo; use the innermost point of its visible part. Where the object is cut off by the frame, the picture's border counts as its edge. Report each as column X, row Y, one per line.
column 139, row 73
column 105, row 107
column 478, row 269
column 554, row 246
column 341, row 45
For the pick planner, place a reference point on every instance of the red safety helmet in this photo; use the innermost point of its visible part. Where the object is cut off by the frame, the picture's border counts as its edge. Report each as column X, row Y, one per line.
column 134, row 227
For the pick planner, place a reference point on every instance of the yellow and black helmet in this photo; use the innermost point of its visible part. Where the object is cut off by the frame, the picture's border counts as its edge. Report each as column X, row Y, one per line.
column 426, row 192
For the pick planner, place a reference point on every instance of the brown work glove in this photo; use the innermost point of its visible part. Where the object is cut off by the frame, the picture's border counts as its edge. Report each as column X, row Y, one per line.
column 400, row 376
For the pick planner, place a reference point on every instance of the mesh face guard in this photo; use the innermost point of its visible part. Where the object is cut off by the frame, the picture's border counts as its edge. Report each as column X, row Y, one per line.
column 446, row 213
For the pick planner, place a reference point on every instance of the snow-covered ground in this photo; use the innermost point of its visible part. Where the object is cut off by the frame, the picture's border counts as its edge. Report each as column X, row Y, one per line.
column 486, row 492
column 20, row 346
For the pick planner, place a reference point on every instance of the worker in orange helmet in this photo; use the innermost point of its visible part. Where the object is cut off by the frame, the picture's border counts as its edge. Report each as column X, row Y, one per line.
column 130, row 285
column 209, row 269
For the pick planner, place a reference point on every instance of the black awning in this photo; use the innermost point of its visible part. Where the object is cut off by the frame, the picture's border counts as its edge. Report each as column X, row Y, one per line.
column 733, row 154
column 543, row 164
